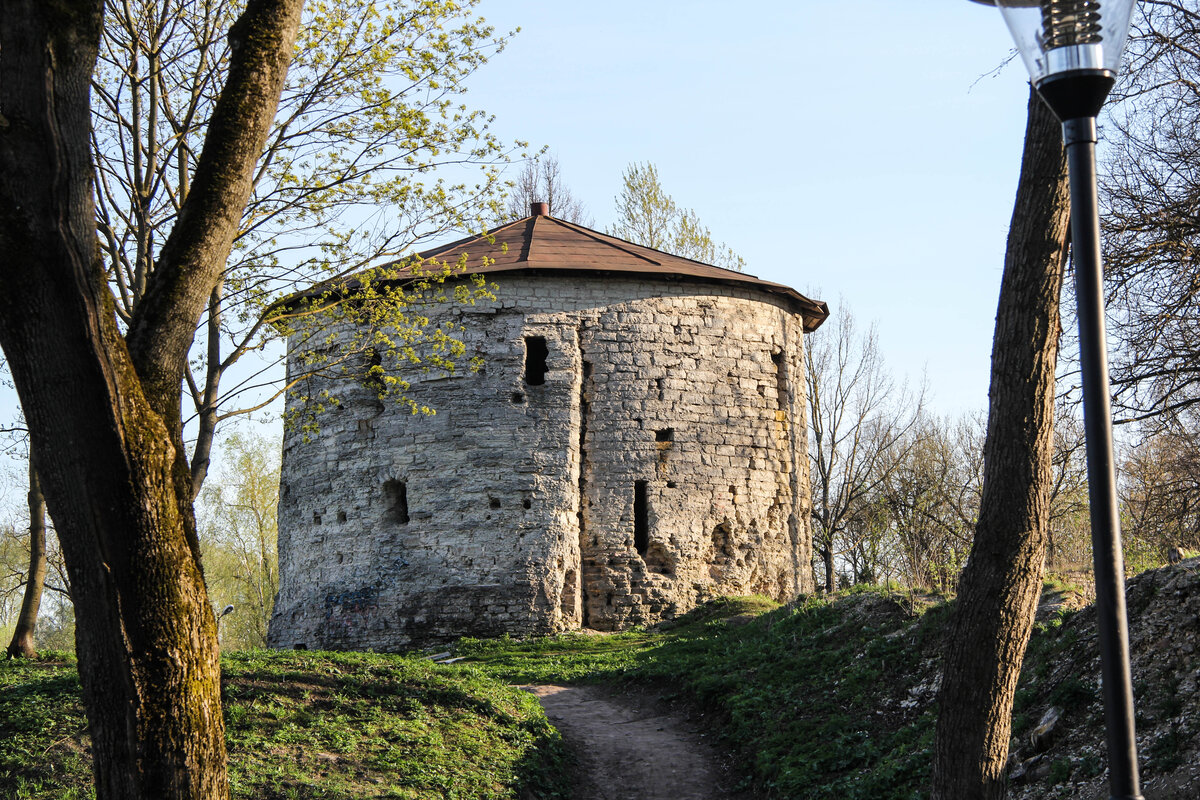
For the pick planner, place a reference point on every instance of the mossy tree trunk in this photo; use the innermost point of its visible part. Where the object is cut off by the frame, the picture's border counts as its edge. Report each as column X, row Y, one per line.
column 102, row 406
column 999, row 588
column 22, row 644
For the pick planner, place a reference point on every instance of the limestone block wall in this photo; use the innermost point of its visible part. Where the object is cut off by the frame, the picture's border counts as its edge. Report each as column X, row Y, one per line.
column 631, row 447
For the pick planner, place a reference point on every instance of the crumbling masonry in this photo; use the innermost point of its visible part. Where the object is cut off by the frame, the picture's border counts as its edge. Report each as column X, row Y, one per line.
column 635, row 443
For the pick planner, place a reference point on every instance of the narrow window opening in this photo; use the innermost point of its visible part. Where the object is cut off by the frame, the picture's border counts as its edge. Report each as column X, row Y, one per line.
column 493, row 502
column 341, row 516
column 641, row 519
column 580, row 516
column 395, row 494
column 373, row 372
column 316, row 518
column 664, row 435
column 535, row 360
column 568, row 599
column 782, row 397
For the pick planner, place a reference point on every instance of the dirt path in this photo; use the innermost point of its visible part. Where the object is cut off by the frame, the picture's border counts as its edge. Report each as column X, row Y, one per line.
column 631, row 746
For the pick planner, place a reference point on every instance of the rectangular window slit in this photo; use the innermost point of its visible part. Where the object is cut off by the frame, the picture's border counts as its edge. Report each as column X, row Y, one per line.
column 535, row 360
column 782, row 399
column 395, row 495
column 641, row 519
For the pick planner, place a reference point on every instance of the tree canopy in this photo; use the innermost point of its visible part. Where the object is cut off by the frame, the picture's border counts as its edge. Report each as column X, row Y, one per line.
column 648, row 216
column 353, row 172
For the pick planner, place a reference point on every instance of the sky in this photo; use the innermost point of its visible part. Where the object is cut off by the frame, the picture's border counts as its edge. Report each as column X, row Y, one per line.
column 865, row 153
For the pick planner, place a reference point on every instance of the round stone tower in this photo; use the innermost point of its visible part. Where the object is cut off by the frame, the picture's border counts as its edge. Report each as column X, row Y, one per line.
column 634, row 443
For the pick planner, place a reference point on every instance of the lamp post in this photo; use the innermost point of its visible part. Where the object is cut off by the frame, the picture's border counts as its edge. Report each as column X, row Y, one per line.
column 1072, row 49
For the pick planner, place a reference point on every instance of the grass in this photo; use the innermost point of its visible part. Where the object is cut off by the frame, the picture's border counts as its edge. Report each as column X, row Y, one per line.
column 823, row 698
column 311, row 725
column 817, row 695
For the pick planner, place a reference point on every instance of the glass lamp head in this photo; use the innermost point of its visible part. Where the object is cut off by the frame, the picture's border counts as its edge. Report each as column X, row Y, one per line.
column 1079, row 41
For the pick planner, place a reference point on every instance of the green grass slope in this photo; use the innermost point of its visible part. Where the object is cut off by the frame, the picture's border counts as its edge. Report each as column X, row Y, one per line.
column 311, row 725
column 823, row 698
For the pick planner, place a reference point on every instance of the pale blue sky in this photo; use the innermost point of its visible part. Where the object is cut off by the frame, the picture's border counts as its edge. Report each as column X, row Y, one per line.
column 864, row 147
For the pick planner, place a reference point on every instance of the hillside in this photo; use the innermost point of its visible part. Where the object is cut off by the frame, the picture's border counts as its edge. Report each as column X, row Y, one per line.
column 837, row 698
column 822, row 698
column 1063, row 672
column 302, row 726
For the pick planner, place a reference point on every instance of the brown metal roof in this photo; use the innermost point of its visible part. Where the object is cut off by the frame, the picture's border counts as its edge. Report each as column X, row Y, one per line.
column 542, row 242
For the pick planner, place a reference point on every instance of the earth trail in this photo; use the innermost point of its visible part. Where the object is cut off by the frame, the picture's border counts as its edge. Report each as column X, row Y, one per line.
column 633, row 746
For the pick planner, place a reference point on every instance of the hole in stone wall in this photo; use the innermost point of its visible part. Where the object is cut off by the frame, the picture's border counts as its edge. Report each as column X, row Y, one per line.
column 722, row 544
column 670, row 484
column 518, row 398
column 535, row 360
column 395, row 494
column 641, row 518
column 493, row 502
column 659, row 560
column 664, row 435
column 527, row 503
column 373, row 372
column 782, row 397
column 316, row 518
column 566, row 601
column 300, row 647
column 341, row 516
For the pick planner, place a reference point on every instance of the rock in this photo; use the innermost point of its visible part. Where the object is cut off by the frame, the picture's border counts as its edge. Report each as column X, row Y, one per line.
column 1024, row 771
column 1043, row 734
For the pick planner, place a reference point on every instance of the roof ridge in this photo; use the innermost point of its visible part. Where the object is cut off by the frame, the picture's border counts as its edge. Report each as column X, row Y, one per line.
column 490, row 233
column 533, row 221
column 589, row 231
column 605, row 239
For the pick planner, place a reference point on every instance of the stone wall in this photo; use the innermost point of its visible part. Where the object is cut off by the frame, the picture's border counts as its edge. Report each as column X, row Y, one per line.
column 674, row 409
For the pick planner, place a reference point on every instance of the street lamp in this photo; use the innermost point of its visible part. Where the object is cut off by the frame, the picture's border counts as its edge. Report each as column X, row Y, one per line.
column 1072, row 49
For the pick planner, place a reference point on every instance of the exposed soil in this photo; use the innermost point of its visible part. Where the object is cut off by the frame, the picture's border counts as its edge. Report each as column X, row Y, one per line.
column 630, row 744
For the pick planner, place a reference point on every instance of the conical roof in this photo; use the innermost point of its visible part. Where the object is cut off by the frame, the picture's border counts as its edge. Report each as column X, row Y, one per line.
column 544, row 243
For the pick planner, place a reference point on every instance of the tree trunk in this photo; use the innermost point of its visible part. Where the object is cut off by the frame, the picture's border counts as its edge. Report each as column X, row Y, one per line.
column 103, row 410
column 206, row 402
column 999, row 588
column 827, row 558
column 22, row 640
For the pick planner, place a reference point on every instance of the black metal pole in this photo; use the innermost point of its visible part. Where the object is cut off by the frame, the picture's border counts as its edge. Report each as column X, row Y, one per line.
column 1079, row 136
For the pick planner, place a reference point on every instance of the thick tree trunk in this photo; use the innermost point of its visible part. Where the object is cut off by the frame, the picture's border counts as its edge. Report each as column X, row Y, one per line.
column 22, row 645
column 145, row 632
column 103, row 411
column 999, row 588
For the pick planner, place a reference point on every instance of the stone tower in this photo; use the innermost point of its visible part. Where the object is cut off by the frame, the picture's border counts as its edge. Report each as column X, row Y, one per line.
column 635, row 443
